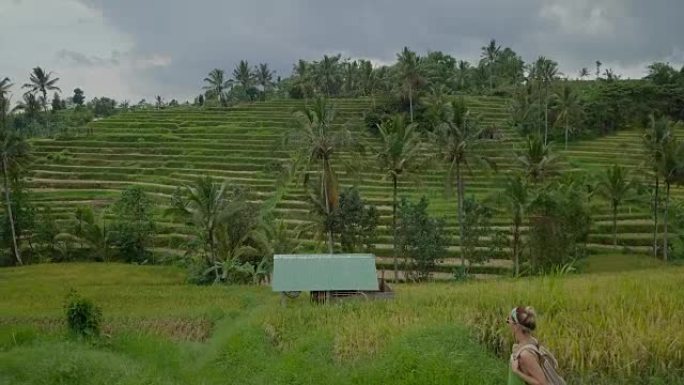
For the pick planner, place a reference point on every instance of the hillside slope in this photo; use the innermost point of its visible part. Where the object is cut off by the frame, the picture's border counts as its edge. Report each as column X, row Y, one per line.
column 162, row 149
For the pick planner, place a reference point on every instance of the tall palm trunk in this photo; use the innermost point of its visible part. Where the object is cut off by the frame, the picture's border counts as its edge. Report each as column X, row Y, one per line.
column 460, row 193
column 411, row 102
column 667, row 206
column 655, row 216
column 8, row 202
column 324, row 179
column 394, row 228
column 615, row 207
column 516, row 242
column 546, row 115
column 567, row 128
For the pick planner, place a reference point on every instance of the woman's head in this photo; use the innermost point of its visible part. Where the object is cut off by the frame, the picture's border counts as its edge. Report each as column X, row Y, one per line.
column 523, row 318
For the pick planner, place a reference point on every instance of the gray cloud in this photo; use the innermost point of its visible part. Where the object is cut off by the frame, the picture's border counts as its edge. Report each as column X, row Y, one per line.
column 180, row 41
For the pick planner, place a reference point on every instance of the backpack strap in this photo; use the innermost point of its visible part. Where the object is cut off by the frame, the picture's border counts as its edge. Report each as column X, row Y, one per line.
column 529, row 347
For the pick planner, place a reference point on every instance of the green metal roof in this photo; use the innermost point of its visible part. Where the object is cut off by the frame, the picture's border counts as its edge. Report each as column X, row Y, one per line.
column 324, row 272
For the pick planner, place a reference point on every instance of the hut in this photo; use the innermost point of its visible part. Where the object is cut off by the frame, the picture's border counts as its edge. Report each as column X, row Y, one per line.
column 328, row 276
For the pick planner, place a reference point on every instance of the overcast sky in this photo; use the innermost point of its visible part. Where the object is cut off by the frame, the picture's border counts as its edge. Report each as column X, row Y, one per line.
column 130, row 49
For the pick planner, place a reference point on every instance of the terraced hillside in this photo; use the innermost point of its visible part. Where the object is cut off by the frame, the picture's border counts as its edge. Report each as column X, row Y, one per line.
column 162, row 149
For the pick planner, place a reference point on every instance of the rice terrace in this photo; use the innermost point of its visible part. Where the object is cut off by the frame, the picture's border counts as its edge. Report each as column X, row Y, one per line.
column 442, row 213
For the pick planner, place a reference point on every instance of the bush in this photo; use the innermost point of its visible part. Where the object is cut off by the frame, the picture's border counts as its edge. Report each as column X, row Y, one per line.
column 420, row 237
column 83, row 317
column 355, row 222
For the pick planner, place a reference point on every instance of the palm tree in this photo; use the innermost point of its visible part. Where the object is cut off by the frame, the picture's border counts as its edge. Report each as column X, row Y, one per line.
column 40, row 81
column 14, row 152
column 5, row 86
column 409, row 73
column 616, row 186
column 456, row 139
column 671, row 169
column 327, row 73
column 583, row 73
column 159, row 102
column 517, row 194
column 243, row 74
column 203, row 205
column 545, row 71
column 302, row 75
column 317, row 142
column 654, row 138
column 398, row 152
column 567, row 105
column 490, row 55
column 536, row 159
column 29, row 105
column 598, row 68
column 462, row 76
column 216, row 84
column 264, row 77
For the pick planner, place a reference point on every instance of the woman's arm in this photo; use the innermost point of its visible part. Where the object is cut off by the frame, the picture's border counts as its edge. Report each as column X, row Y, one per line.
column 527, row 367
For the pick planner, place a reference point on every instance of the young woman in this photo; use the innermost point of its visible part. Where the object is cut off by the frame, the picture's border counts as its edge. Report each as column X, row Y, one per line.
column 525, row 368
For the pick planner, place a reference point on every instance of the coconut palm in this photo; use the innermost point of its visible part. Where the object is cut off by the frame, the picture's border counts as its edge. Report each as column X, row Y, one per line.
column 568, row 108
column 5, row 86
column 14, row 153
column 409, row 73
column 583, row 73
column 316, row 142
column 41, row 82
column 537, row 160
column 327, row 74
column 243, row 75
column 616, row 186
column 545, row 72
column 658, row 133
column 463, row 75
column 671, row 169
column 490, row 55
column 302, row 75
column 397, row 156
column 203, row 205
column 518, row 197
column 456, row 140
column 217, row 84
column 264, row 77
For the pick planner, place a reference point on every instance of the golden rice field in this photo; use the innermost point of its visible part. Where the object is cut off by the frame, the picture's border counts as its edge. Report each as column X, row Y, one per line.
column 604, row 329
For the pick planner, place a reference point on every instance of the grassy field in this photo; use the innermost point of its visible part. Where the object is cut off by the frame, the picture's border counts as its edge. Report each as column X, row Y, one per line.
column 162, row 149
column 604, row 328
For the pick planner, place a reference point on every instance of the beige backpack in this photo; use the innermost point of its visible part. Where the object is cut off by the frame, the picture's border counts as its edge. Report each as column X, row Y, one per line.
column 547, row 361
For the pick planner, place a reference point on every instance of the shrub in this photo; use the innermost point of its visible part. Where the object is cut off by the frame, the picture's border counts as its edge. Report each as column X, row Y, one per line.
column 355, row 222
column 420, row 238
column 83, row 316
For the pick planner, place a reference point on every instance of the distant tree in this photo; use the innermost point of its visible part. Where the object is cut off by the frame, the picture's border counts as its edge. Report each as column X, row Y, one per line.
column 616, row 186
column 598, row 69
column 327, row 74
column 78, row 98
column 421, row 238
column 671, row 169
column 662, row 73
column 14, row 153
column 57, row 103
column 216, row 85
column 316, row 142
column 655, row 136
column 134, row 226
column 456, row 140
column 462, row 75
column 490, row 55
column 5, row 85
column 568, row 109
column 103, row 107
column 30, row 106
column 545, row 72
column 243, row 75
column 264, row 77
column 200, row 100
column 397, row 156
column 159, row 102
column 355, row 221
column 583, row 73
column 41, row 82
column 517, row 196
column 408, row 65
column 173, row 103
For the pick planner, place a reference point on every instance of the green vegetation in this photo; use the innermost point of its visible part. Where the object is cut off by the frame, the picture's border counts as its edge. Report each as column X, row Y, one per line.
column 158, row 330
